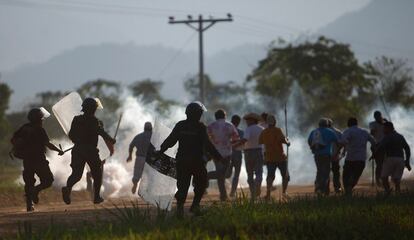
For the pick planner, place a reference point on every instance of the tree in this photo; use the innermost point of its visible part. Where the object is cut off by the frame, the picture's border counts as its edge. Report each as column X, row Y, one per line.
column 5, row 128
column 148, row 91
column 227, row 95
column 328, row 75
column 393, row 81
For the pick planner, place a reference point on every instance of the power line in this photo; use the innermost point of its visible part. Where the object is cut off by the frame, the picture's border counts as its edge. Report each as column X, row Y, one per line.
column 198, row 25
column 251, row 24
column 175, row 56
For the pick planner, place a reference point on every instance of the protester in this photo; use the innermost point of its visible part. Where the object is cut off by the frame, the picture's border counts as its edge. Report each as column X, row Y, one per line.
column 263, row 120
column 336, row 158
column 393, row 146
column 141, row 142
column 272, row 139
column 253, row 153
column 236, row 158
column 355, row 140
column 84, row 133
column 222, row 134
column 191, row 134
column 29, row 143
column 321, row 141
column 377, row 130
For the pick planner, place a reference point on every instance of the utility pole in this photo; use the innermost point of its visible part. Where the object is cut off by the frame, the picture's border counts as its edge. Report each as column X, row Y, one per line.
column 198, row 25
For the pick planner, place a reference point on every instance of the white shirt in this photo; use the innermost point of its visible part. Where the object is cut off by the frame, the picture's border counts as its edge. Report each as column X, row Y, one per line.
column 355, row 140
column 251, row 134
column 222, row 133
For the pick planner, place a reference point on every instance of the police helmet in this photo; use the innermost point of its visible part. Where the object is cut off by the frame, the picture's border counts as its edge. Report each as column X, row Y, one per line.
column 195, row 109
column 89, row 104
column 37, row 114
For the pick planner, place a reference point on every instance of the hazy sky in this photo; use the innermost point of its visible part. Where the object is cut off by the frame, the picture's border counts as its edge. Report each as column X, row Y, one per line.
column 36, row 30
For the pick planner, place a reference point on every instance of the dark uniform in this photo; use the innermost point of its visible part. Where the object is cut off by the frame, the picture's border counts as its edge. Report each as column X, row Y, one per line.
column 193, row 142
column 34, row 160
column 84, row 133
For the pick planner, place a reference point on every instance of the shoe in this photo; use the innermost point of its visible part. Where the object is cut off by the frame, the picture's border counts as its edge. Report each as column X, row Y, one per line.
column 338, row 190
column 195, row 209
column 98, row 200
column 232, row 194
column 30, row 208
column 66, row 195
column 29, row 205
column 223, row 198
column 273, row 188
column 134, row 188
column 35, row 197
column 258, row 191
column 180, row 211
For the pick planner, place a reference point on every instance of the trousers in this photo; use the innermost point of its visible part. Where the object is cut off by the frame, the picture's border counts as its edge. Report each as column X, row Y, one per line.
column 185, row 171
column 39, row 167
column 80, row 157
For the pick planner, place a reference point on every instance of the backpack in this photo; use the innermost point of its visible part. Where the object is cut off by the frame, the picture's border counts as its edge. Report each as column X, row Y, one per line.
column 317, row 141
column 19, row 143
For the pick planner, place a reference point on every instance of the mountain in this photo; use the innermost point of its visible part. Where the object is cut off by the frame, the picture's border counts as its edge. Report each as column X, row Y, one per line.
column 382, row 27
column 126, row 63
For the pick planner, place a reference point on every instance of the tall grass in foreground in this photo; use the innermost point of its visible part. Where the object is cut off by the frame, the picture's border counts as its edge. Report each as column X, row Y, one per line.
column 361, row 217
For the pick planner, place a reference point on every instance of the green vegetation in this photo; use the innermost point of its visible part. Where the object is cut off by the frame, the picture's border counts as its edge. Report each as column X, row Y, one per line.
column 361, row 217
column 8, row 175
column 330, row 81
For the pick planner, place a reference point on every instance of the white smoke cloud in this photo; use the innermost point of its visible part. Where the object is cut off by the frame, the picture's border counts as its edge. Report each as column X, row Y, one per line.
column 118, row 173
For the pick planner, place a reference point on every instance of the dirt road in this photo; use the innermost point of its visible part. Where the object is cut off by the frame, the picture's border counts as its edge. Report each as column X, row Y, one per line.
column 51, row 209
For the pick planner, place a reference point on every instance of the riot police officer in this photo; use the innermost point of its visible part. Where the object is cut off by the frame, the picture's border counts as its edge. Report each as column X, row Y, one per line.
column 29, row 144
column 191, row 134
column 84, row 133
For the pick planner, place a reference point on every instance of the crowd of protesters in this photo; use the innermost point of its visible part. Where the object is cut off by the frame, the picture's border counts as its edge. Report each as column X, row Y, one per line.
column 261, row 143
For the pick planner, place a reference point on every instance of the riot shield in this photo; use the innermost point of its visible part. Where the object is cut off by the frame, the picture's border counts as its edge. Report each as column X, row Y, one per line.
column 69, row 107
column 158, row 184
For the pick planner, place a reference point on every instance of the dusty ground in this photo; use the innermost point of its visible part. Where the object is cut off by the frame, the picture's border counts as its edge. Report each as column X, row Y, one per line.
column 51, row 209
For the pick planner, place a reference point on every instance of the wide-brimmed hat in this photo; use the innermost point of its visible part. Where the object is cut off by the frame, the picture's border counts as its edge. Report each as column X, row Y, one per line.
column 253, row 116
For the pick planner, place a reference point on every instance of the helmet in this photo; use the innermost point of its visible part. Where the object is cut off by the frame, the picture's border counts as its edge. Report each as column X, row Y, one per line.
column 37, row 114
column 195, row 109
column 89, row 104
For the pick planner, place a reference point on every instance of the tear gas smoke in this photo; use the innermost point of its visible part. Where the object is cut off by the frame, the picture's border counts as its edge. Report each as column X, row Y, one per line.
column 118, row 173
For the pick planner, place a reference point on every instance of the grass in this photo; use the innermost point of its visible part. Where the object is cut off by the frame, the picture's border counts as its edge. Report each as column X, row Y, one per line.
column 361, row 217
column 8, row 176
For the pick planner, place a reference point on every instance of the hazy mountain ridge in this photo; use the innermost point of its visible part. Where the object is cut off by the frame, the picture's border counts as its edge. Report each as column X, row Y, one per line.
column 381, row 28
column 127, row 63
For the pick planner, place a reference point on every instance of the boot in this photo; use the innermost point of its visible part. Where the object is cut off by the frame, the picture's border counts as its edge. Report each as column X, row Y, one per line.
column 134, row 188
column 180, row 210
column 66, row 195
column 195, row 209
column 98, row 200
column 35, row 197
column 29, row 204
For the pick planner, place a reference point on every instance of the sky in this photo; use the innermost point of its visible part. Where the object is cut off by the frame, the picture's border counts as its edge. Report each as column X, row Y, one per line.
column 33, row 31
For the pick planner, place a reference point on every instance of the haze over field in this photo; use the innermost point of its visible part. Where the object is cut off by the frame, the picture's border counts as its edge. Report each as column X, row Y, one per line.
column 57, row 45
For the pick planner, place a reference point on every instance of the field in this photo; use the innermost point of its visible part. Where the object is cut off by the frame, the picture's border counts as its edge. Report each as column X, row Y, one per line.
column 369, row 215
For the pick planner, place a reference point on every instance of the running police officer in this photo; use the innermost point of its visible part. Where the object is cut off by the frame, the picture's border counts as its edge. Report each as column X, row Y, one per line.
column 191, row 134
column 84, row 133
column 29, row 144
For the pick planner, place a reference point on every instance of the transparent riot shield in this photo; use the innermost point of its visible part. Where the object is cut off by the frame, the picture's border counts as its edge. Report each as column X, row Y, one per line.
column 69, row 107
column 155, row 187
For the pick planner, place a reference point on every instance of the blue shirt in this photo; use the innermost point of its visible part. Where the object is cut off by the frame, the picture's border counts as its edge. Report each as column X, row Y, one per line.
column 329, row 137
column 355, row 140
